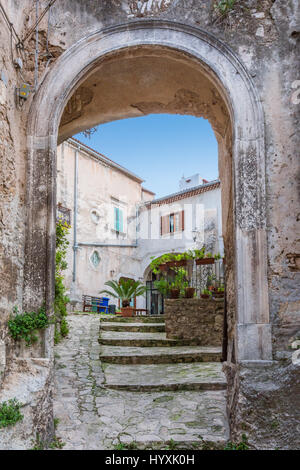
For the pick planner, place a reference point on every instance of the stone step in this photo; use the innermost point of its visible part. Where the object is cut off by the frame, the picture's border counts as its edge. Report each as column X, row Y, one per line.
column 116, row 338
column 154, row 420
column 138, row 319
column 133, row 327
column 156, row 355
column 167, row 377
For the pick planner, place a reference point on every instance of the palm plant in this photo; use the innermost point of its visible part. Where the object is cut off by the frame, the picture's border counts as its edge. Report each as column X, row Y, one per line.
column 124, row 290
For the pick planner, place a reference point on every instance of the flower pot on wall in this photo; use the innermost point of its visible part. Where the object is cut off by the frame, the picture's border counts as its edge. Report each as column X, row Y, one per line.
column 127, row 311
column 163, row 267
column 174, row 293
column 180, row 263
column 171, row 263
column 205, row 296
column 205, row 261
column 189, row 292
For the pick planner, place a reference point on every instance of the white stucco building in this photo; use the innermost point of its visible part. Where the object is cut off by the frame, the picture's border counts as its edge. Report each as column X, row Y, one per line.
column 117, row 225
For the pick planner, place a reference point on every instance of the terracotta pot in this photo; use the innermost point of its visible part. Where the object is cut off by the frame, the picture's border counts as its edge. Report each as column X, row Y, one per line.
column 180, row 263
column 218, row 295
column 205, row 261
column 175, row 293
column 127, row 311
column 189, row 292
column 171, row 263
column 163, row 267
column 205, row 296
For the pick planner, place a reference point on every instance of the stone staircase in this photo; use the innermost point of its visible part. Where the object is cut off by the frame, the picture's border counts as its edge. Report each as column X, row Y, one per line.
column 136, row 357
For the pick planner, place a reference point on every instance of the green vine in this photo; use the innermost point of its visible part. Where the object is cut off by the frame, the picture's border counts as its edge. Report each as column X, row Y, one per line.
column 10, row 412
column 24, row 326
column 61, row 299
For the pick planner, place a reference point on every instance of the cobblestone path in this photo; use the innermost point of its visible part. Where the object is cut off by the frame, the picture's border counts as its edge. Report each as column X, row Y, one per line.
column 102, row 405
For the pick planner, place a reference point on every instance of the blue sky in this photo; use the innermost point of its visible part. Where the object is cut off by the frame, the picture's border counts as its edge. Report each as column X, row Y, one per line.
column 159, row 148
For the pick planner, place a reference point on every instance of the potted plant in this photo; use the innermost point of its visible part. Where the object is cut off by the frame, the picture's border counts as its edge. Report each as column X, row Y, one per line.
column 161, row 263
column 210, row 282
column 219, row 293
column 164, row 260
column 180, row 283
column 155, row 263
column 205, row 294
column 180, row 260
column 174, row 291
column 199, row 255
column 125, row 290
column 171, row 260
column 189, row 292
column 208, row 259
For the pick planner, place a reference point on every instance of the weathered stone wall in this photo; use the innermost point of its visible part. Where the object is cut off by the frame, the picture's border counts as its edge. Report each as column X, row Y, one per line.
column 30, row 381
column 12, row 189
column 200, row 320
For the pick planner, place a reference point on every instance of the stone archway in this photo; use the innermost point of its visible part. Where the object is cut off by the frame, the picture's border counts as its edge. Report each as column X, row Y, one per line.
column 251, row 329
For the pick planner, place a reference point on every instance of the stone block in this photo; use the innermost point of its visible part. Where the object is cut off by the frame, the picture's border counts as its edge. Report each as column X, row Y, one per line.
column 195, row 319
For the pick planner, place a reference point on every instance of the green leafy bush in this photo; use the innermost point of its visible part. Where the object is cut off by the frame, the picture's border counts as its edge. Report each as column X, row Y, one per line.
column 25, row 325
column 10, row 412
column 61, row 299
column 162, row 286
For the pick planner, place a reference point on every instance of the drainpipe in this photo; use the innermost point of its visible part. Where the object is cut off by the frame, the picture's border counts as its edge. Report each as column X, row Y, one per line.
column 75, row 245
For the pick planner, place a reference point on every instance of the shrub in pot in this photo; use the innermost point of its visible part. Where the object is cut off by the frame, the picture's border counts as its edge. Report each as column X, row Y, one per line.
column 175, row 293
column 189, row 292
column 205, row 294
column 179, row 284
column 219, row 293
column 125, row 290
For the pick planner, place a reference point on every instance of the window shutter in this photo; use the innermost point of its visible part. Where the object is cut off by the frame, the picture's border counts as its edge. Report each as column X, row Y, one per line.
column 164, row 224
column 181, row 221
column 117, row 224
column 121, row 221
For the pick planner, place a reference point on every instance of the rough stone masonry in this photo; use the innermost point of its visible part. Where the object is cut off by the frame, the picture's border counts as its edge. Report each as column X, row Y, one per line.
column 260, row 194
column 200, row 320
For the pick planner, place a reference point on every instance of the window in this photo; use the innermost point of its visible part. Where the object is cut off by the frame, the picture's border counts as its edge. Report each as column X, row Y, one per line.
column 118, row 219
column 171, row 220
column 63, row 214
column 172, row 223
